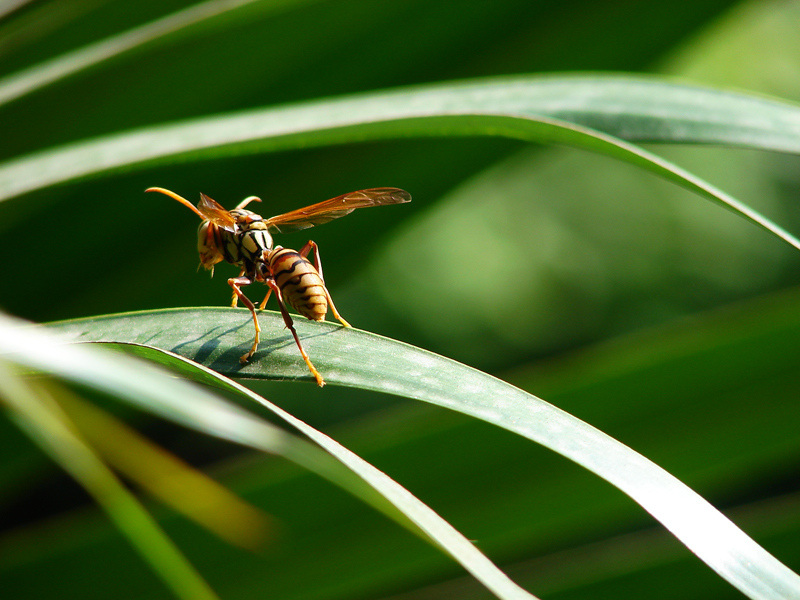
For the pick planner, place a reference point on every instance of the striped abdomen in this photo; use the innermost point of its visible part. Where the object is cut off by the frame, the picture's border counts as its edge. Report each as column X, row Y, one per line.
column 300, row 283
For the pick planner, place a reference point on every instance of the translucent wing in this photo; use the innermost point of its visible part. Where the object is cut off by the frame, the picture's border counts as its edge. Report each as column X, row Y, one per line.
column 205, row 209
column 215, row 213
column 320, row 213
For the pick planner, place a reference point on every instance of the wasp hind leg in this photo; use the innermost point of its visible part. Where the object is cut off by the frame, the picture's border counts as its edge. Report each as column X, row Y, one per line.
column 311, row 245
column 235, row 282
column 334, row 311
column 287, row 319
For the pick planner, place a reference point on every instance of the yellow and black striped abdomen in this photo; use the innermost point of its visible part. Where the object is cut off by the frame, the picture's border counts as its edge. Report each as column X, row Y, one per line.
column 300, row 283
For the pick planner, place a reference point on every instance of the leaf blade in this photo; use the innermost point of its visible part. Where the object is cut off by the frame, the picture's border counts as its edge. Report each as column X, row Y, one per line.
column 34, row 348
column 529, row 109
column 52, row 431
column 373, row 362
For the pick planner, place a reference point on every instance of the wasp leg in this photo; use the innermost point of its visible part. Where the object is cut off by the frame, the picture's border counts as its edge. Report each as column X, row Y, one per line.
column 318, row 266
column 235, row 282
column 334, row 311
column 287, row 319
column 235, row 299
column 304, row 251
column 264, row 301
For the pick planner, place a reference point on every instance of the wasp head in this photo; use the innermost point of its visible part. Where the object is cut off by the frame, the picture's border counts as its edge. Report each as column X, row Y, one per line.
column 209, row 245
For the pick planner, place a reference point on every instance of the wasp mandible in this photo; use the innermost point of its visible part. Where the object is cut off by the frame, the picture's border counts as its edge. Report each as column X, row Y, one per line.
column 243, row 238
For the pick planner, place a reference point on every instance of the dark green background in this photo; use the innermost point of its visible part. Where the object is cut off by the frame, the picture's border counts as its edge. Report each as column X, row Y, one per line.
column 615, row 253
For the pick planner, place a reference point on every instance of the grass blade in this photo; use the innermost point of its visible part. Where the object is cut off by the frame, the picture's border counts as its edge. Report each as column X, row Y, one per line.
column 35, row 413
column 31, row 348
column 528, row 109
column 25, row 82
column 214, row 337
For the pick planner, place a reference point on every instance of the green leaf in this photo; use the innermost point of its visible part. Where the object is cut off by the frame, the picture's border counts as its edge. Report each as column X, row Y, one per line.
column 39, row 415
column 65, row 65
column 215, row 338
column 152, row 389
column 429, row 523
column 536, row 110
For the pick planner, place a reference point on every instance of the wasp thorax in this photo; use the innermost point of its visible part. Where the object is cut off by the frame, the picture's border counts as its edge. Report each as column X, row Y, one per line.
column 247, row 218
column 254, row 243
column 253, row 239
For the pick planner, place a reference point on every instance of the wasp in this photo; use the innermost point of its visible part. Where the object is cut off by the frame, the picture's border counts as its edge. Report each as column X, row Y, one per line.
column 243, row 238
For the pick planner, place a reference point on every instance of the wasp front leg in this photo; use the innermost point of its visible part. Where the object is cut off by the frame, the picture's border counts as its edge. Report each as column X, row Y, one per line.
column 264, row 301
column 287, row 319
column 304, row 251
column 235, row 282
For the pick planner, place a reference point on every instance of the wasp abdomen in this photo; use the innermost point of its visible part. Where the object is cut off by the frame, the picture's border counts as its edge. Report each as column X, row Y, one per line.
column 300, row 283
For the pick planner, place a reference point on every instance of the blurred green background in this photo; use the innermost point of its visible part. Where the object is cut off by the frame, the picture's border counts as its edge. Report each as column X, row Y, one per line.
column 512, row 258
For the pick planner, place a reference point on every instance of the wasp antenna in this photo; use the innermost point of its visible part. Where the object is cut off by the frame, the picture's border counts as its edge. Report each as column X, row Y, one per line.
column 180, row 199
column 247, row 201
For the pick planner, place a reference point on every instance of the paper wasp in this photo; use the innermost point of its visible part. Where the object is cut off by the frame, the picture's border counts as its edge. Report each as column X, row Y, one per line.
column 242, row 238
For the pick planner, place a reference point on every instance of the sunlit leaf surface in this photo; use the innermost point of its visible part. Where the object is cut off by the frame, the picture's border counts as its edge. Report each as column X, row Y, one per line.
column 152, row 389
column 359, row 359
column 551, row 111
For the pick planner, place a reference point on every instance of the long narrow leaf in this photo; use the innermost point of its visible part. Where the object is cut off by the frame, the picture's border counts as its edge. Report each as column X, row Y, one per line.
column 437, row 530
column 53, row 432
column 165, row 476
column 215, row 338
column 591, row 113
column 154, row 390
column 27, row 81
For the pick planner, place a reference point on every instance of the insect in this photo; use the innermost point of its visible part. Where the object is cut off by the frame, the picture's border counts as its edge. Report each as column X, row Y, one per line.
column 243, row 238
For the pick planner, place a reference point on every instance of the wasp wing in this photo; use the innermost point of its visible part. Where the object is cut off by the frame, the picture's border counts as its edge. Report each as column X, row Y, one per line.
column 215, row 213
column 320, row 213
column 205, row 209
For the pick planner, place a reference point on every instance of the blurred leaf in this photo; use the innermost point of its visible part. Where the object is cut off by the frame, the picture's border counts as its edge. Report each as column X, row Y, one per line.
column 354, row 358
column 573, row 259
column 257, row 54
column 752, row 46
column 64, row 65
column 167, row 477
column 39, row 415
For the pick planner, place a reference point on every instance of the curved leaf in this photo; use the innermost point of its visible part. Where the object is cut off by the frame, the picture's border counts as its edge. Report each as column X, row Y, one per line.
column 537, row 110
column 216, row 337
column 178, row 400
column 27, row 81
column 55, row 433
column 434, row 527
